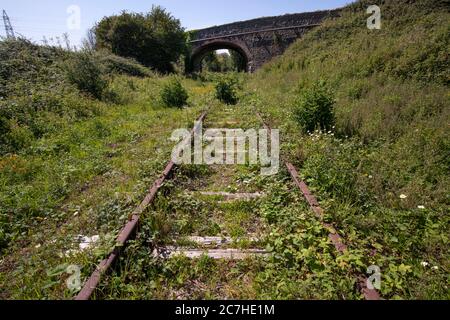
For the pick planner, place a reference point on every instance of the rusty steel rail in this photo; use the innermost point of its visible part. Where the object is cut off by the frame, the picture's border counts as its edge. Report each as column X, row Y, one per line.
column 336, row 239
column 129, row 230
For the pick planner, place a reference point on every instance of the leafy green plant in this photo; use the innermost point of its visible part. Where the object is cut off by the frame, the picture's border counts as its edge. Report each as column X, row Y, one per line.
column 85, row 72
column 16, row 137
column 314, row 108
column 226, row 89
column 174, row 94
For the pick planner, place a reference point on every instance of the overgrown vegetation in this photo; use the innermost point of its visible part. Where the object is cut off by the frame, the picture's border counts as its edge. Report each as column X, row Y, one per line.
column 227, row 89
column 155, row 39
column 314, row 108
column 56, row 109
column 40, row 89
column 83, row 135
column 118, row 65
column 84, row 72
column 174, row 94
column 382, row 172
column 90, row 162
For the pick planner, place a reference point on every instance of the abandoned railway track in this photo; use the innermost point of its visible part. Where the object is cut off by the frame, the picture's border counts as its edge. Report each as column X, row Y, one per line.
column 220, row 213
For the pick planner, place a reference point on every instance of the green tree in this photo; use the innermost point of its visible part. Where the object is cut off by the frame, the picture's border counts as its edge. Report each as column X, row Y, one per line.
column 237, row 61
column 155, row 39
column 211, row 62
column 223, row 62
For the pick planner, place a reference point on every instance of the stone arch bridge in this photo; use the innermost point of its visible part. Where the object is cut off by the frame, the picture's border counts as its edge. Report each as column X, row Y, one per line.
column 257, row 40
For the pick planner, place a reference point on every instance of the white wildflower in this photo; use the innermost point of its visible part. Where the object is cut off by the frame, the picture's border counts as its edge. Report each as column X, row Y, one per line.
column 421, row 207
column 435, row 268
column 70, row 253
column 424, row 264
column 403, row 196
column 37, row 246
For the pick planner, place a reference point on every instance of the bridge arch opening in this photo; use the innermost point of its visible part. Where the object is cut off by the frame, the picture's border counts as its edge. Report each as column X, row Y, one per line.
column 204, row 58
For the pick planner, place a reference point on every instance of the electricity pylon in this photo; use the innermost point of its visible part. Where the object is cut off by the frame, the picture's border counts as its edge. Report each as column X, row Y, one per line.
column 8, row 27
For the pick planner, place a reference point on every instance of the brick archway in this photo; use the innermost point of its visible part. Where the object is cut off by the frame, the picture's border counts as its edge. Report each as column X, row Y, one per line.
column 199, row 53
column 257, row 40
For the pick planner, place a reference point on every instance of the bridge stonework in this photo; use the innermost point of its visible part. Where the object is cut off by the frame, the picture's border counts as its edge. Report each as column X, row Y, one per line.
column 258, row 40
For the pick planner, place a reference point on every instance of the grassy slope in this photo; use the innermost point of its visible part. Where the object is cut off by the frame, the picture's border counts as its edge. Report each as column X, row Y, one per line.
column 391, row 136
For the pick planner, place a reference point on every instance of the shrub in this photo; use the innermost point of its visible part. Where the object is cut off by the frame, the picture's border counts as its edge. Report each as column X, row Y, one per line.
column 15, row 138
column 314, row 108
column 23, row 65
column 117, row 65
column 174, row 94
column 84, row 71
column 226, row 90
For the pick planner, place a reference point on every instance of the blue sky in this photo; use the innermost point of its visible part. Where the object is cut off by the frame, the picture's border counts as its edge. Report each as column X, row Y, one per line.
column 35, row 19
